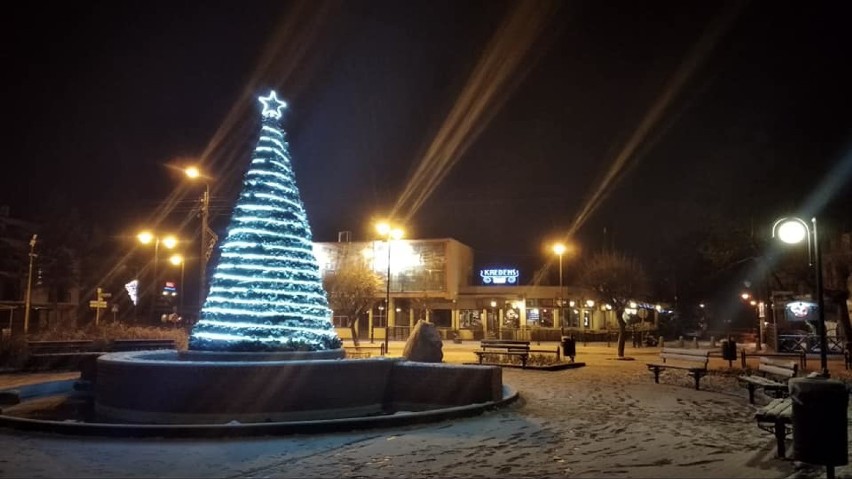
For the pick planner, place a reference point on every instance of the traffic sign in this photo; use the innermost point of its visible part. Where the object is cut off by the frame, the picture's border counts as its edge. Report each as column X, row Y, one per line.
column 97, row 304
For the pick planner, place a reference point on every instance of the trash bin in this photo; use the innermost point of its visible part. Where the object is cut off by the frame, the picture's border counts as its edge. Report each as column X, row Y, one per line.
column 819, row 420
column 729, row 349
column 569, row 347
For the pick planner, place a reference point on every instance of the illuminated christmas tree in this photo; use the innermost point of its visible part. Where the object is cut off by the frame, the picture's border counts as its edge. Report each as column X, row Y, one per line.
column 266, row 292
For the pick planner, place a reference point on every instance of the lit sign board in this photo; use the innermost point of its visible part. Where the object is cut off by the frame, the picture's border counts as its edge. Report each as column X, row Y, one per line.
column 499, row 276
column 169, row 289
column 801, row 311
column 132, row 290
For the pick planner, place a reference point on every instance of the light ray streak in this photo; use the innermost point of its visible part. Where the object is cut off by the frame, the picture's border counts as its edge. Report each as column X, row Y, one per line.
column 627, row 156
column 287, row 52
column 483, row 94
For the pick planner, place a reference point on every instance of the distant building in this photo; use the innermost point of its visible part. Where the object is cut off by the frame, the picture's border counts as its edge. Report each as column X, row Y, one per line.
column 15, row 237
column 434, row 279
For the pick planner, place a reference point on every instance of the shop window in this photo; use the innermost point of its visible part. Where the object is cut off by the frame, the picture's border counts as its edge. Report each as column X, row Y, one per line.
column 441, row 318
column 470, row 319
column 546, row 318
column 511, row 318
column 587, row 318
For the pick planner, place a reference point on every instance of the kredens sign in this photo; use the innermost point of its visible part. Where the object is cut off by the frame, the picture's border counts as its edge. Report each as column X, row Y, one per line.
column 499, row 276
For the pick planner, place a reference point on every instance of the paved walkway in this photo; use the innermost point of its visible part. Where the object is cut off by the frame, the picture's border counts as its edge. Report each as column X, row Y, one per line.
column 607, row 419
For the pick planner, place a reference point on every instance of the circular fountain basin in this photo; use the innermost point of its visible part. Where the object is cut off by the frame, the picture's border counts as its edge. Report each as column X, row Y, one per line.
column 189, row 394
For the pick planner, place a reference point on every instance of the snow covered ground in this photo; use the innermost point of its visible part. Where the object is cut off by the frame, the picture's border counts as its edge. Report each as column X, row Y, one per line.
column 607, row 419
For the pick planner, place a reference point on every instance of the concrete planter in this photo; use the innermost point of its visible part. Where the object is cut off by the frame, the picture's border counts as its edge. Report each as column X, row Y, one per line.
column 171, row 387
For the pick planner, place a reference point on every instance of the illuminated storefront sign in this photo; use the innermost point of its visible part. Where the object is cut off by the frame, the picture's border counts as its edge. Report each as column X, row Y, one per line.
column 169, row 289
column 132, row 290
column 801, row 311
column 499, row 276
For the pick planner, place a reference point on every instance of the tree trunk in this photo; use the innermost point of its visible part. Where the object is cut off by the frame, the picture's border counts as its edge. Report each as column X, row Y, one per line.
column 622, row 334
column 354, row 329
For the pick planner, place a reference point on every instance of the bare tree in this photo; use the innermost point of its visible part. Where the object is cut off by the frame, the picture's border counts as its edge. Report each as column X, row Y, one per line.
column 619, row 280
column 352, row 290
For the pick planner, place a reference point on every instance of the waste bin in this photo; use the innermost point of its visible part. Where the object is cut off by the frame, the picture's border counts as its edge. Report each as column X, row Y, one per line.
column 729, row 349
column 819, row 420
column 569, row 347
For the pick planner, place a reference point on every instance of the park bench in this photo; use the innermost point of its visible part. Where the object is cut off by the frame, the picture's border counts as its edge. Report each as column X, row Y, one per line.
column 504, row 347
column 360, row 351
column 772, row 376
column 694, row 361
column 801, row 356
column 121, row 345
column 777, row 418
column 59, row 353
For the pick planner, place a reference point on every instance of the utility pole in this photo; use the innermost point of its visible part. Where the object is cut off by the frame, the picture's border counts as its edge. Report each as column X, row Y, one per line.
column 202, row 258
column 27, row 301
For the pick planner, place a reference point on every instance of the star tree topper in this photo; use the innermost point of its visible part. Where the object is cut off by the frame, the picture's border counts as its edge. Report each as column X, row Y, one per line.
column 272, row 106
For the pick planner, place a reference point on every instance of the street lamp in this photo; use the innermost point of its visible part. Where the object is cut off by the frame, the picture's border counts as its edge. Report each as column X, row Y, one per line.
column 559, row 249
column 793, row 230
column 194, row 173
column 27, row 302
column 177, row 259
column 389, row 232
column 169, row 241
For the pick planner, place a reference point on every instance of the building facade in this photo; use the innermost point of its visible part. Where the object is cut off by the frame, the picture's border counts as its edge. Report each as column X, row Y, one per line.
column 435, row 280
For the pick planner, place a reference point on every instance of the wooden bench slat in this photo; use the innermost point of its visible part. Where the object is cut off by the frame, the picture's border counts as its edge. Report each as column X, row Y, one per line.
column 785, row 372
column 760, row 381
column 680, row 357
column 506, row 347
column 686, row 352
column 776, row 417
column 692, row 360
column 780, row 371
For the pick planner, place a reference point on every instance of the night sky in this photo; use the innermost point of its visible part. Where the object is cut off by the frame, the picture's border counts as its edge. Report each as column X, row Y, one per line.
column 102, row 97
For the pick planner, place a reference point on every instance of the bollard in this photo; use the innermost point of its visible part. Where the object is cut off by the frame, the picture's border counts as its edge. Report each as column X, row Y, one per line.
column 661, row 342
column 713, row 342
column 695, row 342
column 569, row 347
column 729, row 350
column 680, row 341
column 819, row 421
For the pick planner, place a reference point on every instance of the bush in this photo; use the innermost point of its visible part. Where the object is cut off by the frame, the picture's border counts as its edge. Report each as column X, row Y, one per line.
column 14, row 349
column 103, row 333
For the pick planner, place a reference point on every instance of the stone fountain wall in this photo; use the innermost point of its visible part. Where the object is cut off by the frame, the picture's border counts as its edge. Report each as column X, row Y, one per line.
column 165, row 388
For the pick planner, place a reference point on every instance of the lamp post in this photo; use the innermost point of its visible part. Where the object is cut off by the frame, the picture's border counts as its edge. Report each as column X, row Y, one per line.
column 389, row 232
column 793, row 230
column 169, row 241
column 559, row 249
column 27, row 301
column 193, row 173
column 177, row 259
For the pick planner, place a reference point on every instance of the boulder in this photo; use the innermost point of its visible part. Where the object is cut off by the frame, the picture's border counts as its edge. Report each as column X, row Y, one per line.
column 424, row 345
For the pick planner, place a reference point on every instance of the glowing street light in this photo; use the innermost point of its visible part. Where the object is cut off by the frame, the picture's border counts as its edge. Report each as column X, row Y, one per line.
column 169, row 241
column 793, row 230
column 559, row 249
column 389, row 232
column 178, row 260
column 194, row 173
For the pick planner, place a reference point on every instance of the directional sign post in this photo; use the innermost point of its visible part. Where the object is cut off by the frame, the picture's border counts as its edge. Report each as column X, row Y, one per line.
column 97, row 306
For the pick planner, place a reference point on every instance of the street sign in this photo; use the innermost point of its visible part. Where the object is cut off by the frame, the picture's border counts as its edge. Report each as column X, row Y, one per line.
column 97, row 304
column 106, row 295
